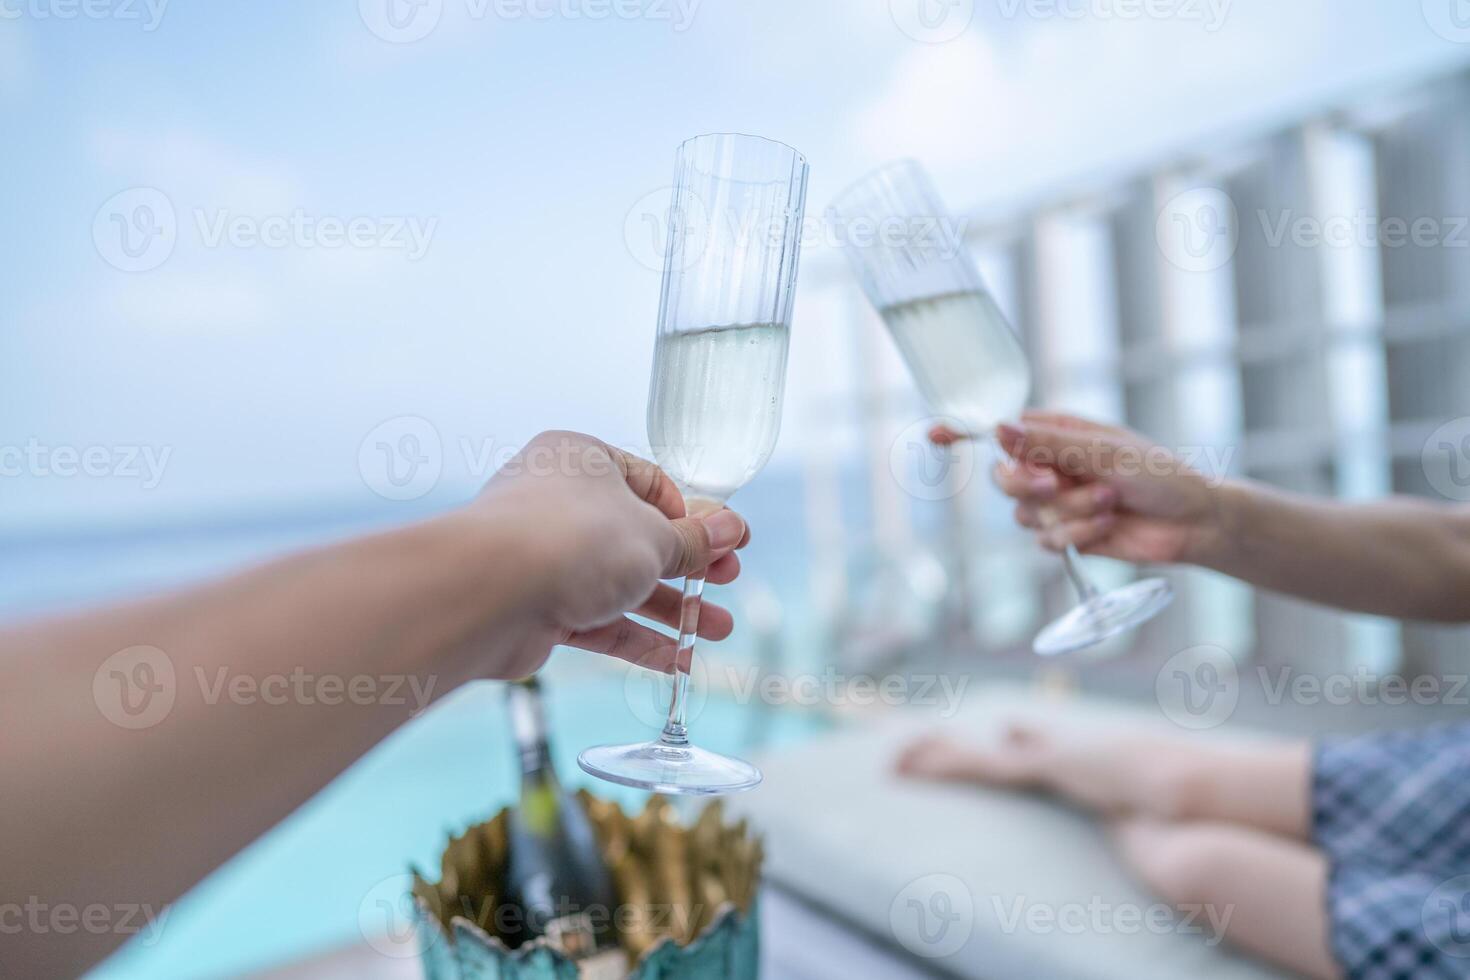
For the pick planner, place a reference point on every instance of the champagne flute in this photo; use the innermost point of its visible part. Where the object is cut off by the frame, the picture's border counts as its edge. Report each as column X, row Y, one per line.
column 714, row 403
column 912, row 262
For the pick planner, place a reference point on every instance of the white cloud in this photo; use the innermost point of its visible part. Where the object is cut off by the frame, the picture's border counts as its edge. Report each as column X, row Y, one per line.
column 999, row 115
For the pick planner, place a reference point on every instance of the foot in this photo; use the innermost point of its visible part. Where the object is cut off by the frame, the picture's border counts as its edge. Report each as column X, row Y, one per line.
column 1016, row 763
column 1109, row 774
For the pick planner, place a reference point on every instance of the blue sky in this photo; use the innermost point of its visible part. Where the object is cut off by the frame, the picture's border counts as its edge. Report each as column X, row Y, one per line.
column 524, row 148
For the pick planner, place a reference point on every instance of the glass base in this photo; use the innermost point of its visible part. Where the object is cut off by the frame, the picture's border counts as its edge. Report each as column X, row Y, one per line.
column 1103, row 617
column 663, row 768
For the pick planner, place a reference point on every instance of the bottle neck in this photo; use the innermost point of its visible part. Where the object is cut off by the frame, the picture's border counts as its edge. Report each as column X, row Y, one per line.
column 528, row 728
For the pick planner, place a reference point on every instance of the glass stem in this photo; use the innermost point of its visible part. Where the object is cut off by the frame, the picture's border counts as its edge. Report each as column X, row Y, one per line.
column 1071, row 560
column 675, row 732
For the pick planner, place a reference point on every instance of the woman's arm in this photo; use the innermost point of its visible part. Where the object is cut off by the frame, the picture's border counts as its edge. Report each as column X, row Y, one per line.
column 1400, row 556
column 1118, row 494
column 142, row 746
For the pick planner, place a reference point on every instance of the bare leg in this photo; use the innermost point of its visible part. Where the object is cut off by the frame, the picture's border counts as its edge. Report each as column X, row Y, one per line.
column 1267, row 787
column 1266, row 892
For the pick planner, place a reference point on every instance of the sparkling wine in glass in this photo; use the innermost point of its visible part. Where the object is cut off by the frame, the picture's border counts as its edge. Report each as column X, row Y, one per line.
column 911, row 259
column 714, row 402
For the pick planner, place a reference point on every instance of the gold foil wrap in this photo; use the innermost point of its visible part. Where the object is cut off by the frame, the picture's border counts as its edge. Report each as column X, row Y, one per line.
column 672, row 880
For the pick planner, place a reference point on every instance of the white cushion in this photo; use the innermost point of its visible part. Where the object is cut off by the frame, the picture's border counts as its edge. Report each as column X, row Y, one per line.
column 1009, row 884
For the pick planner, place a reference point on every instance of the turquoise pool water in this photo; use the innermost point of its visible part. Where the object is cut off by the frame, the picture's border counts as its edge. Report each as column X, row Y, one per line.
column 299, row 889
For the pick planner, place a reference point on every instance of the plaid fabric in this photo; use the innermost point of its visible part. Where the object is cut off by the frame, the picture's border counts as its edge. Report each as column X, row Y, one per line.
column 1392, row 813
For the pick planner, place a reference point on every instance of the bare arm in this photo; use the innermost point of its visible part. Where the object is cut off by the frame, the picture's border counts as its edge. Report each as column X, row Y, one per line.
column 142, row 746
column 1118, row 494
column 1400, row 556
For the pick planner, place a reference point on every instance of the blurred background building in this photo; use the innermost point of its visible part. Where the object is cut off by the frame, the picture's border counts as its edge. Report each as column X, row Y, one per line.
column 1280, row 305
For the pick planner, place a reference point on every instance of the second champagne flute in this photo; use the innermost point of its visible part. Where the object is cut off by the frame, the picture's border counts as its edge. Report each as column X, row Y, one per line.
column 714, row 403
column 910, row 257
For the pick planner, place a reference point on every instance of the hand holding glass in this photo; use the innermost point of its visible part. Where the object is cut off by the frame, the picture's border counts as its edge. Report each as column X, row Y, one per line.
column 911, row 259
column 714, row 403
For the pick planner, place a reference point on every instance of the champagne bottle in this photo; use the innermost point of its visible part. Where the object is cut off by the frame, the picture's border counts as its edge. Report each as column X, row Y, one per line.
column 556, row 876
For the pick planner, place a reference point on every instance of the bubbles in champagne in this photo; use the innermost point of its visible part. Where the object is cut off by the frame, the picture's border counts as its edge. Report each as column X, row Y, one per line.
column 715, row 407
column 964, row 357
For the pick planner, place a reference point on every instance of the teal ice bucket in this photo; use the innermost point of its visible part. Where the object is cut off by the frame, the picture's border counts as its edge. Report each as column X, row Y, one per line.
column 687, row 902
